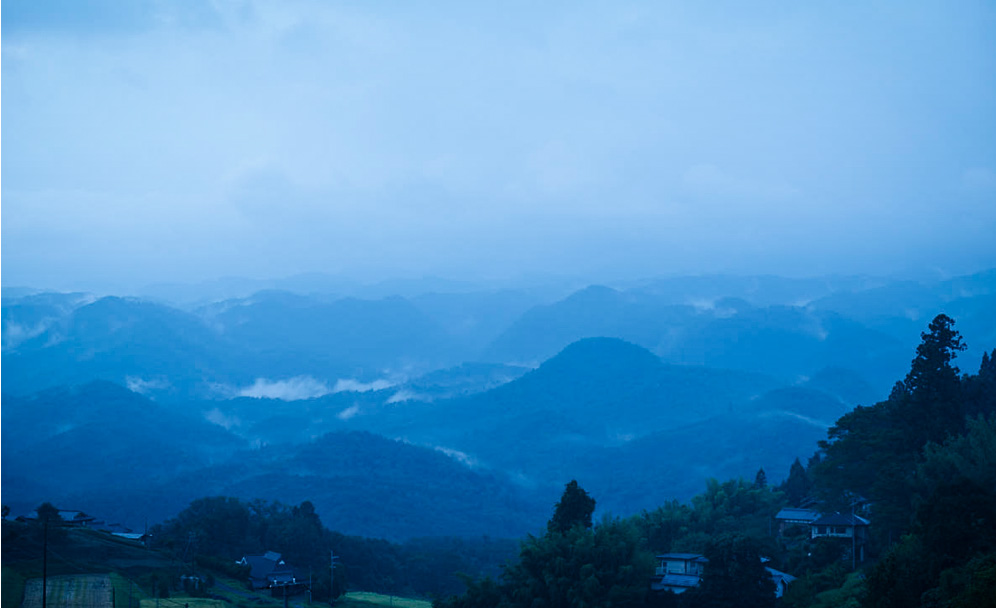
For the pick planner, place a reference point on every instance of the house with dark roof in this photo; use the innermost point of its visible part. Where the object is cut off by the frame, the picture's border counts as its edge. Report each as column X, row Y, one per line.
column 845, row 526
column 781, row 579
column 839, row 525
column 679, row 572
column 69, row 518
column 270, row 571
column 794, row 518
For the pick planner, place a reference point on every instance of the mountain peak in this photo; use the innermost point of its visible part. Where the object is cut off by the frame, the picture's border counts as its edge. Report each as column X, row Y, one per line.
column 603, row 356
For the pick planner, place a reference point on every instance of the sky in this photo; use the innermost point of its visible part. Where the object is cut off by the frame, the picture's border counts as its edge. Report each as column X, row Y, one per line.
column 155, row 141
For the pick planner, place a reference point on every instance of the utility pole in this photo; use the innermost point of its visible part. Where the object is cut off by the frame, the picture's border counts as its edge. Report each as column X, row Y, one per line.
column 332, row 558
column 854, row 540
column 45, row 564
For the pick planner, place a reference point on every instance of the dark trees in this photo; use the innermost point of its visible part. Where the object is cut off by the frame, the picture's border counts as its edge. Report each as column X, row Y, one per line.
column 573, row 564
column 873, row 452
column 797, row 486
column 735, row 576
column 933, row 408
column 574, row 509
column 761, row 479
column 48, row 513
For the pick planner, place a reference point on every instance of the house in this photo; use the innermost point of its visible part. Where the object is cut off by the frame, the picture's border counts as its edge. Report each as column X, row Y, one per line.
column 77, row 519
column 679, row 572
column 790, row 518
column 270, row 571
column 837, row 525
column 850, row 527
column 781, row 579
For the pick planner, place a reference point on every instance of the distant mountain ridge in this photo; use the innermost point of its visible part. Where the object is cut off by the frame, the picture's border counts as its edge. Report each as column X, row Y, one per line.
column 644, row 393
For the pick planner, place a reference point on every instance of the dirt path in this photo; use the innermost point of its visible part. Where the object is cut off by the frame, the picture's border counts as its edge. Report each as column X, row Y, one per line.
column 76, row 591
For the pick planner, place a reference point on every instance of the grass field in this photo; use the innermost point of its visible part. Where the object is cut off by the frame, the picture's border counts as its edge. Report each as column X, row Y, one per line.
column 12, row 586
column 361, row 599
column 182, row 602
column 71, row 591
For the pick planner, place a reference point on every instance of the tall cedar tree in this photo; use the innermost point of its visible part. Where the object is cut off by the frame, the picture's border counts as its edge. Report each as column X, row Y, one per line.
column 874, row 451
column 797, row 485
column 574, row 509
column 934, row 407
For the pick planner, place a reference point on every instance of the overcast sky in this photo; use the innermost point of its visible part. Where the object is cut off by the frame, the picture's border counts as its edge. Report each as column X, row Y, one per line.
column 180, row 141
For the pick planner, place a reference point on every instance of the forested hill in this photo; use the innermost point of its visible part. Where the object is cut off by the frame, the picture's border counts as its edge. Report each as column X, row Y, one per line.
column 908, row 464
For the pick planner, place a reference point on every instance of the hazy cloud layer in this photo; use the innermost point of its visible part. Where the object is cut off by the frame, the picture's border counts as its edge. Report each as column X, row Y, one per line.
column 349, row 385
column 154, row 141
column 292, row 389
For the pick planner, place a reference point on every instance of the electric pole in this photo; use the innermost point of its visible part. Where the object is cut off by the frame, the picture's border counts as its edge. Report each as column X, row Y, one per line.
column 45, row 564
column 332, row 558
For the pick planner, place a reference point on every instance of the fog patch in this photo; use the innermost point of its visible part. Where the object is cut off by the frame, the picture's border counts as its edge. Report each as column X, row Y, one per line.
column 820, row 332
column 222, row 419
column 813, row 421
column 407, row 395
column 348, row 413
column 461, row 457
column 144, row 387
column 15, row 333
column 704, row 305
column 293, row 389
column 349, row 385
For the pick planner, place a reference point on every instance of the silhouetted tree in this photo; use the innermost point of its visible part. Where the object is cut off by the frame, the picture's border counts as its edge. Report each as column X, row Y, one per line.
column 575, row 508
column 797, row 485
column 761, row 479
column 47, row 512
column 934, row 408
column 734, row 576
column 874, row 451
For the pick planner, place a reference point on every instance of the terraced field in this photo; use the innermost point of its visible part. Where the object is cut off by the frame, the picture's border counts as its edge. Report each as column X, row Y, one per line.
column 71, row 591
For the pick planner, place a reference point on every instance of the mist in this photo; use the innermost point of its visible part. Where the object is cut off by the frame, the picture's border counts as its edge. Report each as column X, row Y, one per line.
column 177, row 143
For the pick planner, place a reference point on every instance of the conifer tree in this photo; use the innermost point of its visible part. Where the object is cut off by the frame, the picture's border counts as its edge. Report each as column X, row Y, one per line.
column 574, row 509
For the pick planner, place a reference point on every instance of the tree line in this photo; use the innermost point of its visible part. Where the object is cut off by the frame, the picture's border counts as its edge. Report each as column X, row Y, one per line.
column 215, row 531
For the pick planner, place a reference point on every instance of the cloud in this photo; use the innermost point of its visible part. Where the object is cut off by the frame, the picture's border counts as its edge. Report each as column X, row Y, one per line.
column 468, row 139
column 293, row 389
column 16, row 333
column 143, row 387
column 349, row 385
column 461, row 457
column 407, row 395
column 348, row 413
column 222, row 419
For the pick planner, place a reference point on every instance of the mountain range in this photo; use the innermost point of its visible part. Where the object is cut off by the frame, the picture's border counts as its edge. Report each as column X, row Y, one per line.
column 458, row 413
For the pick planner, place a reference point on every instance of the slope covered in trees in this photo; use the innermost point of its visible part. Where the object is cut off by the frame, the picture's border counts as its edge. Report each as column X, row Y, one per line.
column 924, row 460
